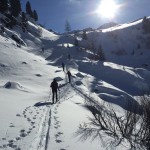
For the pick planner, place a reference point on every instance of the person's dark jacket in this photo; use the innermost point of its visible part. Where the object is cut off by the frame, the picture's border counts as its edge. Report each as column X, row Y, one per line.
column 54, row 85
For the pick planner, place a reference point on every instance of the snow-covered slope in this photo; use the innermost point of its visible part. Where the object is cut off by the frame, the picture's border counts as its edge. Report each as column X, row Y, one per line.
column 28, row 118
column 125, row 44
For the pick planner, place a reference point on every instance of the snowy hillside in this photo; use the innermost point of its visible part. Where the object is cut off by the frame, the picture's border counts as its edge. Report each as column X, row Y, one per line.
column 125, row 44
column 29, row 120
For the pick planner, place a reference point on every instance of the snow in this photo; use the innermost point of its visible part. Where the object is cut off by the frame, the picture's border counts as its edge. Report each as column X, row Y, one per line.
column 64, row 125
column 30, row 121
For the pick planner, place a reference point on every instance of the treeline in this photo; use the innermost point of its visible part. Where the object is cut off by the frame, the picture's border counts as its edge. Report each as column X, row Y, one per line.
column 146, row 24
column 13, row 8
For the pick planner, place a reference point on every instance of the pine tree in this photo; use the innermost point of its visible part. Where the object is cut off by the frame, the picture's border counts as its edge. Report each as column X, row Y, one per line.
column 133, row 52
column 84, row 36
column 23, row 17
column 76, row 43
column 67, row 27
column 35, row 15
column 146, row 25
column 24, row 22
column 101, row 53
column 15, row 7
column 138, row 46
column 3, row 5
column 28, row 9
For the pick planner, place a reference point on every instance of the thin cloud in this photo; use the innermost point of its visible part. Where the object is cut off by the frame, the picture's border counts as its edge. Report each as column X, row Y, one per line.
column 81, row 1
column 75, row 1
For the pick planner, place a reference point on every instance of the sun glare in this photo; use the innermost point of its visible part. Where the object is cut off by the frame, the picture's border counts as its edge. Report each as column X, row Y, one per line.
column 107, row 9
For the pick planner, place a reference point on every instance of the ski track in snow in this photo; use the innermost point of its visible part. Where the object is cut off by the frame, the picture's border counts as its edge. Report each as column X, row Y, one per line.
column 65, row 95
column 57, row 124
column 52, row 111
column 44, row 129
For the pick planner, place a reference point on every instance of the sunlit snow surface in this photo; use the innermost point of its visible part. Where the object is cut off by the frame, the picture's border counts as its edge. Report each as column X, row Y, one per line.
column 29, row 120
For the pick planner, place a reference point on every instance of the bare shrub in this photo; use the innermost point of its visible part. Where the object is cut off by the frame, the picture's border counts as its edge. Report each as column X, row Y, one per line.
column 144, row 130
column 134, row 127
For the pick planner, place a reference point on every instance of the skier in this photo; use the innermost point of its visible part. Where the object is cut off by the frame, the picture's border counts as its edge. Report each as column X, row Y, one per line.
column 54, row 87
column 69, row 76
column 63, row 66
column 69, row 57
column 42, row 49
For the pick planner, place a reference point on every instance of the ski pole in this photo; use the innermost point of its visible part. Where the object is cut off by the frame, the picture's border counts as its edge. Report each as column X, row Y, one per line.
column 49, row 94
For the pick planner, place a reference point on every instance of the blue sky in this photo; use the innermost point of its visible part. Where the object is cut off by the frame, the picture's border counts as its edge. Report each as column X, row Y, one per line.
column 54, row 13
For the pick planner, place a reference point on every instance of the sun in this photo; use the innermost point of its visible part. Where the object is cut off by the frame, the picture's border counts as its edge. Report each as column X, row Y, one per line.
column 107, row 9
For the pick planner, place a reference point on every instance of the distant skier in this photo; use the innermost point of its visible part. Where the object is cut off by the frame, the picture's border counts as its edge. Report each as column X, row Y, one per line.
column 69, row 76
column 69, row 57
column 42, row 49
column 54, row 87
column 63, row 66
